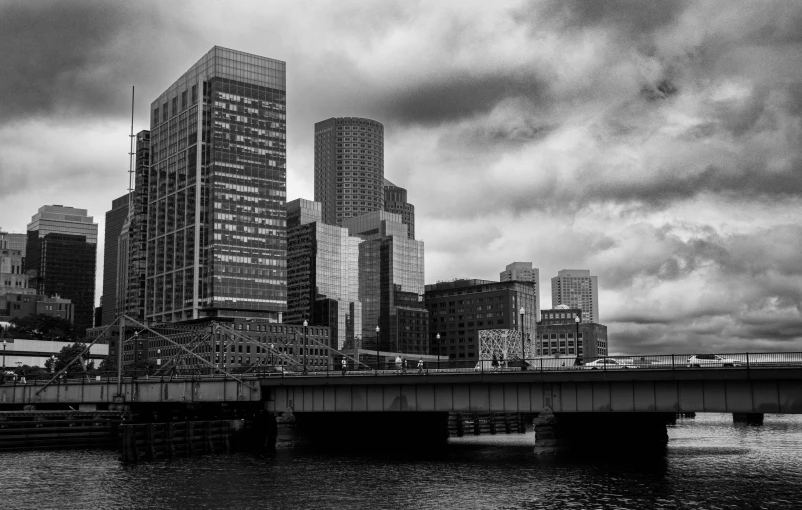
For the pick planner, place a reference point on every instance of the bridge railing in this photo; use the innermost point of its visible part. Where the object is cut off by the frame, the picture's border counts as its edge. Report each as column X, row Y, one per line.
column 445, row 366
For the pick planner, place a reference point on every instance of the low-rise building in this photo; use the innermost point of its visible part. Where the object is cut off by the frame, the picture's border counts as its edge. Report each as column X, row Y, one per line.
column 559, row 330
column 27, row 301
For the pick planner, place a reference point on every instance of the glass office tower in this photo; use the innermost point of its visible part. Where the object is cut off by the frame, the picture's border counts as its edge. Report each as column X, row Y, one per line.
column 115, row 219
column 61, row 258
column 216, row 238
column 395, row 201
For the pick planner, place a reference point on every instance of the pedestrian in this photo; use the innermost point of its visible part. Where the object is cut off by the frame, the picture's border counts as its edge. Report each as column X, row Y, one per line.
column 494, row 363
column 398, row 363
column 501, row 362
column 405, row 365
column 420, row 366
column 344, row 365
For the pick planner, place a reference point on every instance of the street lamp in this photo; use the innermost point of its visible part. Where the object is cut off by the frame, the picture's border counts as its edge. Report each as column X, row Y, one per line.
column 52, row 363
column 377, row 349
column 4, row 355
column 438, row 350
column 305, row 324
column 523, row 345
column 577, row 320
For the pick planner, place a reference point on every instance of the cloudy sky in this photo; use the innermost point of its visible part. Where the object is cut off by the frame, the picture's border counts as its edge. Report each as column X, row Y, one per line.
column 658, row 144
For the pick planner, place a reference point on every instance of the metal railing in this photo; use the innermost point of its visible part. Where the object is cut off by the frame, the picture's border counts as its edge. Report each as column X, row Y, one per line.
column 659, row 362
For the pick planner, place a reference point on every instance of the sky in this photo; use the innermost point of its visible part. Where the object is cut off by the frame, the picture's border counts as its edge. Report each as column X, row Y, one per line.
column 658, row 144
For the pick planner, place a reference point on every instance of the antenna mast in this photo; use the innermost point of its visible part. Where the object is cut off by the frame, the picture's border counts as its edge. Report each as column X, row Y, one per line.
column 131, row 154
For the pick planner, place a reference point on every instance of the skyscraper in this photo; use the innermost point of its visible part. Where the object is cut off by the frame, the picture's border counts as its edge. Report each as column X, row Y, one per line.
column 349, row 167
column 114, row 224
column 322, row 274
column 395, row 201
column 391, row 272
column 61, row 258
column 216, row 240
column 576, row 288
column 523, row 272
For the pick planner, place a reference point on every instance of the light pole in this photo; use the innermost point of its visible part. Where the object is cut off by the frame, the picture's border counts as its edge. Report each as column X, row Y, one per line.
column 4, row 355
column 577, row 320
column 305, row 324
column 523, row 345
column 438, row 349
column 377, row 349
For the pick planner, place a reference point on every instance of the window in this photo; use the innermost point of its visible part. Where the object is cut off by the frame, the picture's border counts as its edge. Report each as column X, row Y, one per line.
column 184, row 100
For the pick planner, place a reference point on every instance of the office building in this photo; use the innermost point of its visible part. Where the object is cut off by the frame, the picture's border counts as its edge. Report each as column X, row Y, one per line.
column 395, row 201
column 216, row 239
column 459, row 309
column 349, row 168
column 27, row 302
column 114, row 225
column 61, row 258
column 132, row 244
column 391, row 272
column 576, row 288
column 523, row 272
column 322, row 274
column 12, row 271
column 10, row 241
column 558, row 333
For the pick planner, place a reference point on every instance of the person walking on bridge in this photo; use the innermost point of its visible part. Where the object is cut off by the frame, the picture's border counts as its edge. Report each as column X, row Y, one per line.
column 344, row 365
column 420, row 366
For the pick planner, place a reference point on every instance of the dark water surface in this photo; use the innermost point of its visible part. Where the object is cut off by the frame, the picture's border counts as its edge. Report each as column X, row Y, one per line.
column 710, row 464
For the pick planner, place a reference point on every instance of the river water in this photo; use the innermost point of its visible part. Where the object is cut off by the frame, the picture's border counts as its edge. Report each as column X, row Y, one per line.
column 710, row 463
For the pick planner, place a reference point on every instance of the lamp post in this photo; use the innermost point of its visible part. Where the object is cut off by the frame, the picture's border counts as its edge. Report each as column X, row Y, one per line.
column 305, row 324
column 438, row 350
column 577, row 320
column 377, row 349
column 52, row 363
column 523, row 345
column 4, row 355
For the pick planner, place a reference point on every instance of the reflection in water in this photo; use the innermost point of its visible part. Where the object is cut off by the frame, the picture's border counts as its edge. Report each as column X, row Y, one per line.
column 710, row 463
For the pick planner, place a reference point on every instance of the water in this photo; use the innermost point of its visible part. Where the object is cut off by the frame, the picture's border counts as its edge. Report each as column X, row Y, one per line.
column 710, row 464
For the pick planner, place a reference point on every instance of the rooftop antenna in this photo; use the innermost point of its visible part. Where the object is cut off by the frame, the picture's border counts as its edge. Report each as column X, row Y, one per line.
column 131, row 154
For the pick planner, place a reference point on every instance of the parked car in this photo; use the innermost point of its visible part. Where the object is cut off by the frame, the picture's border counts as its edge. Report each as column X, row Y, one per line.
column 608, row 364
column 712, row 360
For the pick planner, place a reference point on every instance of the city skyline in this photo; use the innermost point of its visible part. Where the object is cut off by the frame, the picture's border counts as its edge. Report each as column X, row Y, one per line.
column 658, row 148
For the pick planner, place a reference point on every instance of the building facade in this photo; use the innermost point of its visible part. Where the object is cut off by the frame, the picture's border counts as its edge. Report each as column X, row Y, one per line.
column 395, row 201
column 523, row 272
column 391, row 284
column 12, row 271
column 576, row 288
column 61, row 258
column 23, row 304
column 349, row 167
column 10, row 241
column 459, row 309
column 322, row 273
column 115, row 218
column 558, row 333
column 216, row 236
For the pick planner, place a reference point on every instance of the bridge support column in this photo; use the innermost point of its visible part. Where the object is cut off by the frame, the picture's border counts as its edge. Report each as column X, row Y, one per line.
column 632, row 433
column 286, row 431
column 748, row 418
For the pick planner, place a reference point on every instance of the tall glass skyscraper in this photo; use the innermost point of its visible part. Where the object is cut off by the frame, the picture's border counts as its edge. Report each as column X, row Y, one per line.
column 61, row 258
column 115, row 218
column 395, row 201
column 216, row 237
column 349, row 167
column 576, row 288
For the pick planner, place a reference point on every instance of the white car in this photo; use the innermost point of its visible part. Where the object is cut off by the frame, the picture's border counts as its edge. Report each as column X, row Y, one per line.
column 607, row 364
column 712, row 360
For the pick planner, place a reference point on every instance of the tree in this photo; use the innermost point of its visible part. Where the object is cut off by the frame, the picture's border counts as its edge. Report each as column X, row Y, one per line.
column 42, row 327
column 65, row 356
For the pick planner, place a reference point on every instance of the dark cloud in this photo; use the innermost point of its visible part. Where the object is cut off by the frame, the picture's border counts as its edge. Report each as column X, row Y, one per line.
column 78, row 58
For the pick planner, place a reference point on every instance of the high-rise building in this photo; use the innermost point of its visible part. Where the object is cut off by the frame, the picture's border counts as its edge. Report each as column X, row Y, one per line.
column 12, row 271
column 61, row 258
column 349, row 167
column 10, row 241
column 391, row 272
column 395, row 201
column 523, row 272
column 114, row 225
column 132, row 246
column 322, row 274
column 216, row 240
column 461, row 308
column 576, row 288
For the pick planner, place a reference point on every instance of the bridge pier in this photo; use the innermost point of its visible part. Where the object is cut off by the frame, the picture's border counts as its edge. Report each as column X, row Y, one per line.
column 620, row 433
column 748, row 418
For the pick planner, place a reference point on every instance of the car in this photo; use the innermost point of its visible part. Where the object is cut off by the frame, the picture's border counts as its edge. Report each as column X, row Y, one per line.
column 607, row 364
column 712, row 360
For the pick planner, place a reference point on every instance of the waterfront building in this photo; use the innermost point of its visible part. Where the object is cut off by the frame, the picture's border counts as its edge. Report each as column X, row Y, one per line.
column 557, row 334
column 576, row 288
column 322, row 274
column 216, row 235
column 24, row 303
column 10, row 241
column 459, row 309
column 523, row 272
column 391, row 284
column 114, row 225
column 61, row 257
column 12, row 271
column 349, row 167
column 395, row 201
